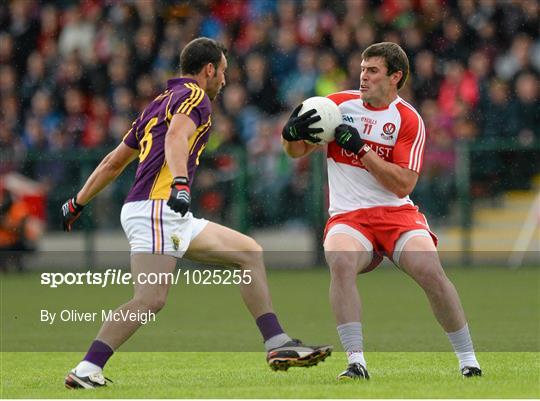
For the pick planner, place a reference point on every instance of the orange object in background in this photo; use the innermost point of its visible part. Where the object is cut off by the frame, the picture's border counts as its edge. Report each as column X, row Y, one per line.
column 22, row 212
column 30, row 192
column 16, row 223
column 36, row 204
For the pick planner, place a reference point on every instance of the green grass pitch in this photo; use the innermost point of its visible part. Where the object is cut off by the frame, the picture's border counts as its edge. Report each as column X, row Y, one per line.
column 244, row 375
column 184, row 354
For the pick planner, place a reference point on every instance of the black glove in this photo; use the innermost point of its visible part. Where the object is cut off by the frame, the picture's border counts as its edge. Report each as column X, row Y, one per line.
column 180, row 198
column 349, row 139
column 297, row 128
column 71, row 211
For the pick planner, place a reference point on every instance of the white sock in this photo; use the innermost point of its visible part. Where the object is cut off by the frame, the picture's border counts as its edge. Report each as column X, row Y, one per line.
column 276, row 341
column 85, row 368
column 356, row 357
column 463, row 347
column 352, row 340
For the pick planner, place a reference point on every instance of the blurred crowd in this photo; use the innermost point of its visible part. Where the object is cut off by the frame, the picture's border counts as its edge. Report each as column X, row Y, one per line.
column 73, row 76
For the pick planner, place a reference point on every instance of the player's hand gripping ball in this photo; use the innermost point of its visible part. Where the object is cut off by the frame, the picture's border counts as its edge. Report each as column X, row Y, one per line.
column 330, row 116
column 313, row 121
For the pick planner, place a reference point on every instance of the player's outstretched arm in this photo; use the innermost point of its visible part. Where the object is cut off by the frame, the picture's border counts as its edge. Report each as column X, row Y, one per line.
column 110, row 167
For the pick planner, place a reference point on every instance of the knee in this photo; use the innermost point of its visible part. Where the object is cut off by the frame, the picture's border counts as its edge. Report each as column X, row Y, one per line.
column 254, row 247
column 432, row 280
column 251, row 257
column 343, row 265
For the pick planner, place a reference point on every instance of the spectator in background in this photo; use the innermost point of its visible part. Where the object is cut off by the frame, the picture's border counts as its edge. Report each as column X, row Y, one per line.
column 518, row 58
column 354, row 67
column 52, row 57
column 265, row 154
column 480, row 67
column 426, row 80
column 49, row 27
column 287, row 13
column 75, row 118
column 431, row 18
column 432, row 192
column 224, row 135
column 494, row 117
column 96, row 133
column 36, row 77
column 359, row 12
column 165, row 63
column 331, row 76
column 244, row 116
column 494, row 111
column 24, row 32
column 34, row 135
column 314, row 23
column 515, row 18
column 217, row 191
column 10, row 114
column 525, row 126
column 525, row 108
column 123, row 103
column 70, row 75
column 77, row 35
column 6, row 48
column 42, row 110
column 458, row 89
column 145, row 90
column 12, row 150
column 300, row 85
column 364, row 35
column 454, row 44
column 144, row 48
column 396, row 13
column 413, row 40
column 283, row 60
column 341, row 43
column 260, row 88
column 254, row 38
column 530, row 10
column 8, row 80
column 487, row 40
column 118, row 72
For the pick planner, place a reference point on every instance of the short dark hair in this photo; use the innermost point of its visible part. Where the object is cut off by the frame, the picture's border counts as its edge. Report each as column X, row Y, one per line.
column 394, row 56
column 198, row 53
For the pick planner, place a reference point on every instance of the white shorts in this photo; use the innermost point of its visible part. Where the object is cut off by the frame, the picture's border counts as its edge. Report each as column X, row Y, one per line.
column 153, row 227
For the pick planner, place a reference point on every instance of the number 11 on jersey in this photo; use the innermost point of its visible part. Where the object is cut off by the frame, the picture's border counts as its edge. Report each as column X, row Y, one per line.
column 367, row 128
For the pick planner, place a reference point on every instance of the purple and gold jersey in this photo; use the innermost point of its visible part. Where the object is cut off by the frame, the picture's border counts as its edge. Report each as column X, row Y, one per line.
column 147, row 134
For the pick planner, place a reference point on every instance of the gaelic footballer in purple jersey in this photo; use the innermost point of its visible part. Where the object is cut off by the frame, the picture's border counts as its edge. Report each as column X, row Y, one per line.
column 153, row 178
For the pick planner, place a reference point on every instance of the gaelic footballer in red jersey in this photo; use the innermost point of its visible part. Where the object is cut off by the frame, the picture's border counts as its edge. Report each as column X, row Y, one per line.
column 373, row 166
column 167, row 139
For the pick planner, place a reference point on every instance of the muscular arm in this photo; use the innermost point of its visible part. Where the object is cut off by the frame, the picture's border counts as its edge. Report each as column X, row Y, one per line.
column 399, row 180
column 298, row 148
column 110, row 167
column 176, row 144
